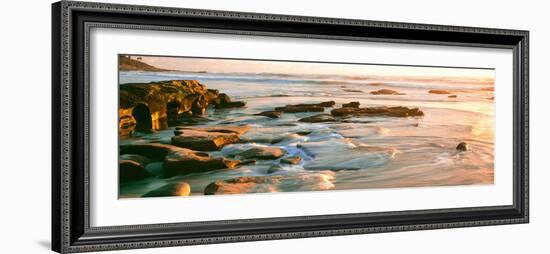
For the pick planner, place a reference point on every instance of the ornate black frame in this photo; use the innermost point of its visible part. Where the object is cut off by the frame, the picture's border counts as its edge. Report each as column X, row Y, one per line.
column 71, row 22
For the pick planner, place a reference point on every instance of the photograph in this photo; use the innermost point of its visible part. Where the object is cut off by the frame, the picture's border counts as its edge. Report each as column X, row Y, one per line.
column 193, row 126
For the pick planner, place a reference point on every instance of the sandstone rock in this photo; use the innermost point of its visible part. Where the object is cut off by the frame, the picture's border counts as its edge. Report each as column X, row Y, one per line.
column 318, row 118
column 378, row 111
column 263, row 153
column 171, row 189
column 386, row 92
column 452, row 96
column 135, row 157
column 462, row 146
column 185, row 161
column 291, row 160
column 242, row 185
column 270, row 114
column 322, row 180
column 207, row 138
column 148, row 106
column 153, row 151
column 439, row 91
column 353, row 104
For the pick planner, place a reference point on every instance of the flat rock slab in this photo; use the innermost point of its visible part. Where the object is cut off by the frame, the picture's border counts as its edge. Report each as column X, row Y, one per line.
column 353, row 104
column 310, row 107
column 439, row 91
column 207, row 138
column 185, row 161
column 274, row 183
column 271, row 114
column 386, row 92
column 318, row 118
column 153, row 151
column 378, row 111
column 263, row 153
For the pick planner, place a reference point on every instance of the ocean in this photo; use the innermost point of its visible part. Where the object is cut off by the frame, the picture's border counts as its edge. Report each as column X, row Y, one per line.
column 363, row 152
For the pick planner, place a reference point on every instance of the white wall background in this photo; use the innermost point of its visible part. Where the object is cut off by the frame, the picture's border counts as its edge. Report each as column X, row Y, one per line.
column 25, row 108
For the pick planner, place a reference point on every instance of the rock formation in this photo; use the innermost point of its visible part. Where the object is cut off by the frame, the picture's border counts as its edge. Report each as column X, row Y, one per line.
column 152, row 106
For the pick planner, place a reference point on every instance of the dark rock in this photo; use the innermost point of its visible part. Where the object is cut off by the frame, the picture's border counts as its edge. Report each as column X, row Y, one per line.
column 171, row 189
column 452, row 96
column 270, row 114
column 291, row 160
column 462, row 146
column 224, row 101
column 353, row 104
column 185, row 161
column 439, row 91
column 247, row 162
column 303, row 133
column 311, row 107
column 318, row 118
column 135, row 157
column 130, row 170
column 386, row 92
column 294, row 109
column 353, row 91
column 263, row 153
column 376, row 84
column 274, row 168
column 153, row 151
column 378, row 111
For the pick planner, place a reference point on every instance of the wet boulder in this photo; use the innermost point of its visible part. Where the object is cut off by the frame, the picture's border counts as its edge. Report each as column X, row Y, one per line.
column 291, row 160
column 224, row 101
column 462, row 146
column 169, row 190
column 242, row 185
column 131, row 170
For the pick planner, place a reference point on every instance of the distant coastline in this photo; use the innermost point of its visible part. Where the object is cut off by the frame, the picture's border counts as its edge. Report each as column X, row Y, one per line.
column 125, row 63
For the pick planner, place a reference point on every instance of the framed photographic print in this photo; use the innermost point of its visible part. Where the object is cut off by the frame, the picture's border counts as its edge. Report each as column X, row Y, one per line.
column 181, row 126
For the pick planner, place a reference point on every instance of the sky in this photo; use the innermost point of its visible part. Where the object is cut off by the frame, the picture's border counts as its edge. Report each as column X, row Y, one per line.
column 280, row 67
